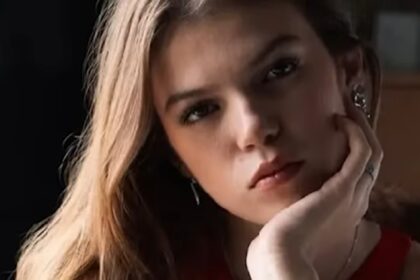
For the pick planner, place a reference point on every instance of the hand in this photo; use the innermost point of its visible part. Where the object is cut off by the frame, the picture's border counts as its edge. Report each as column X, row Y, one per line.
column 285, row 246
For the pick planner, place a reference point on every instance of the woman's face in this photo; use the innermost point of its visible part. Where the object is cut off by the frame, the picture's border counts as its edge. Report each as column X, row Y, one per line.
column 241, row 87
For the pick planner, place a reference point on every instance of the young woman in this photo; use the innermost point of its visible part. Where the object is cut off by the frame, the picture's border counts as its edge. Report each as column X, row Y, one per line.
column 228, row 140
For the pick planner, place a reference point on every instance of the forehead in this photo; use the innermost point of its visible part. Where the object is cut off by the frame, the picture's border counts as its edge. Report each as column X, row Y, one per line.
column 212, row 50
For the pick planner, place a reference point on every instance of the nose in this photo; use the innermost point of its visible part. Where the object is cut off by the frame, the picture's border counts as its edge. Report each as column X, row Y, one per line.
column 255, row 128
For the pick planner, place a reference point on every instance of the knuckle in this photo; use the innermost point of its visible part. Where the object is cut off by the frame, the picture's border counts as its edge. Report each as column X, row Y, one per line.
column 363, row 144
column 368, row 152
column 381, row 154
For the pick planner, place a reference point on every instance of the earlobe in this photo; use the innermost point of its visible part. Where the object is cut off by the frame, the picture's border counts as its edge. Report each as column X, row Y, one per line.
column 360, row 99
column 180, row 166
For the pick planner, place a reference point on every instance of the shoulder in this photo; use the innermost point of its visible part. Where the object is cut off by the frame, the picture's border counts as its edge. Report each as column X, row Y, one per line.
column 411, row 269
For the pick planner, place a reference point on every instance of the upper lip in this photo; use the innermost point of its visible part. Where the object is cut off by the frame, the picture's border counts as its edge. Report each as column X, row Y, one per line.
column 269, row 168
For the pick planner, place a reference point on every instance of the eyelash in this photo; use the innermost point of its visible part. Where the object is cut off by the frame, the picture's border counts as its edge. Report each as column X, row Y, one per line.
column 288, row 66
column 206, row 104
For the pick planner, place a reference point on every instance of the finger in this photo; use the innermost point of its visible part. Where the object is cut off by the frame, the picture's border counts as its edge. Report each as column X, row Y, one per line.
column 360, row 153
column 367, row 181
column 316, row 206
column 360, row 118
column 341, row 186
column 362, row 194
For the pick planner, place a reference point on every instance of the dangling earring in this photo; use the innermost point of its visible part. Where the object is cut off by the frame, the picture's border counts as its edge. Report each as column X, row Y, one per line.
column 359, row 99
column 194, row 185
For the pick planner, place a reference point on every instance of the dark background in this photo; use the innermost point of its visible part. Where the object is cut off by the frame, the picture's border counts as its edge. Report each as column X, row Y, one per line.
column 43, row 45
column 42, row 50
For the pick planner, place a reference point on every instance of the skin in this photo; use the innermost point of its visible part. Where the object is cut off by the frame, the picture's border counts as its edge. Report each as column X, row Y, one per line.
column 225, row 148
column 254, row 109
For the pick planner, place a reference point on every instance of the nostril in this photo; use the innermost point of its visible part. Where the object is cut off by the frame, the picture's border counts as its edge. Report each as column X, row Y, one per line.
column 272, row 136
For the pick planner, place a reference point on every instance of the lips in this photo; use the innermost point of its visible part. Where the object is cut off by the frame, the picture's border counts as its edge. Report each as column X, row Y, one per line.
column 275, row 171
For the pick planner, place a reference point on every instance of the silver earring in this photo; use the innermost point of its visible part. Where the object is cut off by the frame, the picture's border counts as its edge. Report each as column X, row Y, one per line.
column 360, row 100
column 194, row 185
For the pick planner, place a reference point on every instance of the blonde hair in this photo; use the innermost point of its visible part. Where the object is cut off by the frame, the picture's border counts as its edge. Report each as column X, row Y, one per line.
column 107, row 226
column 86, row 228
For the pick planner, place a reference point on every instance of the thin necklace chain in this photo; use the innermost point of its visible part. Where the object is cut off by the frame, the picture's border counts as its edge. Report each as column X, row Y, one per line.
column 350, row 256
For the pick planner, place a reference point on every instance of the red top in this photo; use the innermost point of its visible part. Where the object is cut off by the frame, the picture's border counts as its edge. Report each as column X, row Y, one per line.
column 385, row 262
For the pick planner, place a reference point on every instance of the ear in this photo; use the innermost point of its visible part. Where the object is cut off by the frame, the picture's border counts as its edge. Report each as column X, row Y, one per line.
column 350, row 70
column 353, row 70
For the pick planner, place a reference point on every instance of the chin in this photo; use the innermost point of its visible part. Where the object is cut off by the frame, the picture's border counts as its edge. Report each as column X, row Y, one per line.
column 310, row 180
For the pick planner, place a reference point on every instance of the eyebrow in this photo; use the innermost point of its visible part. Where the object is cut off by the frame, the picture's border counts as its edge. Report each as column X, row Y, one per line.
column 268, row 48
column 271, row 46
column 175, row 98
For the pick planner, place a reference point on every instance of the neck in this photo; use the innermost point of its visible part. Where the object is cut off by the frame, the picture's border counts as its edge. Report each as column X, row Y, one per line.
column 328, row 261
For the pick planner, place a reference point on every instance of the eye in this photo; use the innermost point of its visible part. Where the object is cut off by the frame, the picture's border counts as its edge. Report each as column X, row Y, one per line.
column 281, row 69
column 197, row 112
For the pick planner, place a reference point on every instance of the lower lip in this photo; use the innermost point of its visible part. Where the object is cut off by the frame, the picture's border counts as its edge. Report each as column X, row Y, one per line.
column 280, row 177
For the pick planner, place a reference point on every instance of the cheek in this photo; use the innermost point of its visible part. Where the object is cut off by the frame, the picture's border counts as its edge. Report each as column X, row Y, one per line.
column 209, row 162
column 328, row 151
column 334, row 149
column 326, row 146
column 320, row 99
column 204, row 157
column 332, row 143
